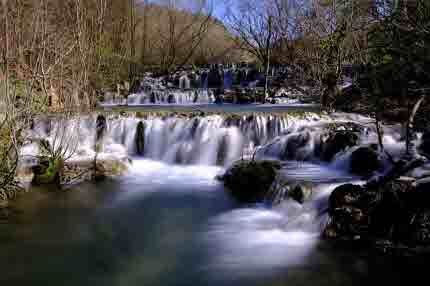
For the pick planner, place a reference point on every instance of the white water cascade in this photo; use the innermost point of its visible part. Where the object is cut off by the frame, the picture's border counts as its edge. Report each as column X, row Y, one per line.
column 166, row 96
column 215, row 139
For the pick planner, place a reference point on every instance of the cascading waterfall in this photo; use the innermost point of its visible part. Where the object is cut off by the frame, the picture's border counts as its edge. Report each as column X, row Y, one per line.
column 215, row 139
column 167, row 96
column 208, row 140
column 187, row 152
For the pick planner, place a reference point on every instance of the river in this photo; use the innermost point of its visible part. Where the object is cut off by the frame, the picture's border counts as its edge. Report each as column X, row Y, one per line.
column 169, row 221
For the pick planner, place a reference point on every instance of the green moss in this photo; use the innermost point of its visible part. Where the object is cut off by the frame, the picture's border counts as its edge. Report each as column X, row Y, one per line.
column 50, row 174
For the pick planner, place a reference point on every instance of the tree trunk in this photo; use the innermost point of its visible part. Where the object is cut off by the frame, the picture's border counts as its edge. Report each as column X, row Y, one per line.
column 410, row 125
column 267, row 60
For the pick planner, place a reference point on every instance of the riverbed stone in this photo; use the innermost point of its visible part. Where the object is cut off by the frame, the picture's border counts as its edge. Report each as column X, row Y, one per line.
column 250, row 181
column 364, row 161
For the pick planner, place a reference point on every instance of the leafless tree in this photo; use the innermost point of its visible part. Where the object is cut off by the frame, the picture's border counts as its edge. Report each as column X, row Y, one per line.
column 261, row 27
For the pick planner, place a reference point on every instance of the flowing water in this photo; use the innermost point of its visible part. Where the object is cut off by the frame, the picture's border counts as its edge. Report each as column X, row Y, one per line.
column 168, row 221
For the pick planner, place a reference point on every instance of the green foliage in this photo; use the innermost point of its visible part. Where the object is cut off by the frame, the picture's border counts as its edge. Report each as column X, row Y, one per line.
column 50, row 173
column 399, row 52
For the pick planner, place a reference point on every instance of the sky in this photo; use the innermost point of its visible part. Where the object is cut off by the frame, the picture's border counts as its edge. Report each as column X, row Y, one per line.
column 219, row 6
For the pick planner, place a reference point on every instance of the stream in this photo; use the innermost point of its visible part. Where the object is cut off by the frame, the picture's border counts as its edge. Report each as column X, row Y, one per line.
column 169, row 221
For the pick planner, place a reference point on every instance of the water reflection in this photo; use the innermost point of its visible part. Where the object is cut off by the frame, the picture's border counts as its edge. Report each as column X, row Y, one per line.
column 169, row 225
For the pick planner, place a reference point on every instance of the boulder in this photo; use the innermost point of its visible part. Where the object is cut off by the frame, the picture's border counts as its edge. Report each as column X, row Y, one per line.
column 295, row 142
column 337, row 142
column 424, row 148
column 250, row 181
column 348, row 220
column 397, row 212
column 347, row 194
column 364, row 161
column 140, row 138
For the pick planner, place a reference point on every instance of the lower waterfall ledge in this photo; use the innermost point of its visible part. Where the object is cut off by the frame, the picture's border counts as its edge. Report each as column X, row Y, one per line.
column 78, row 171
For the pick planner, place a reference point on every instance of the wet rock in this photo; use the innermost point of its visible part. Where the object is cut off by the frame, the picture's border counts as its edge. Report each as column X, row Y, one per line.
column 101, row 129
column 196, row 96
column 337, row 142
column 250, row 181
column 194, row 127
column 420, row 229
column 214, row 79
column 300, row 193
column 171, row 98
column 347, row 194
column 184, row 82
column 424, row 148
column 140, row 138
column 396, row 213
column 245, row 99
column 294, row 143
column 222, row 150
column 153, row 97
column 364, row 161
column 232, row 120
column 347, row 218
column 88, row 170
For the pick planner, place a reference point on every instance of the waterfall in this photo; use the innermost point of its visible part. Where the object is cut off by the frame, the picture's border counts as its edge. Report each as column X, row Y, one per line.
column 171, row 97
column 207, row 140
column 216, row 139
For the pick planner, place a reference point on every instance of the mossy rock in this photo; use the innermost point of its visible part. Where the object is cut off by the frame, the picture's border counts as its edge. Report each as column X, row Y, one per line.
column 47, row 171
column 250, row 181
